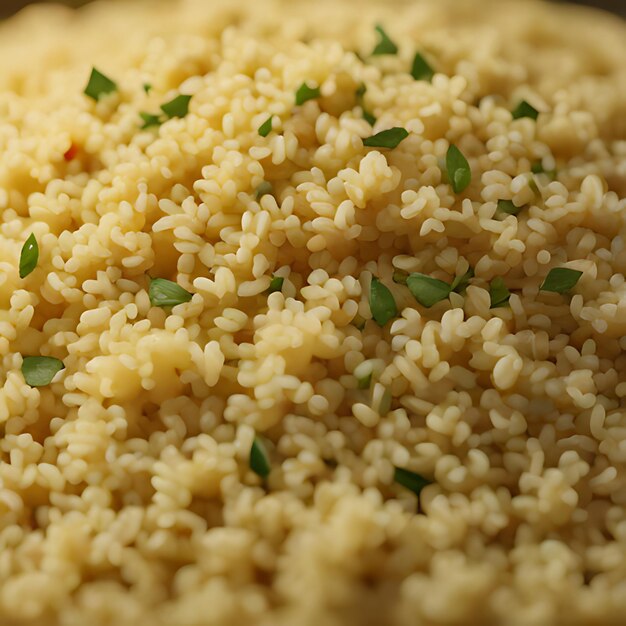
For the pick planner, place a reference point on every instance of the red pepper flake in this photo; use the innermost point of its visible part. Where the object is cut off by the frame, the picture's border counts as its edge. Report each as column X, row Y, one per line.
column 71, row 153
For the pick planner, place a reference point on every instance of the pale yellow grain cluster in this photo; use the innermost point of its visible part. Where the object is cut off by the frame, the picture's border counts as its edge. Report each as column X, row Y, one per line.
column 126, row 495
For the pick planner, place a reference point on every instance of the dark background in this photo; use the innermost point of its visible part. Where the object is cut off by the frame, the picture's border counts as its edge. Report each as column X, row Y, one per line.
column 8, row 7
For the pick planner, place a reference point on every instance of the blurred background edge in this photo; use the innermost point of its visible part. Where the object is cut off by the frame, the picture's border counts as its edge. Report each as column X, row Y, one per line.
column 9, row 7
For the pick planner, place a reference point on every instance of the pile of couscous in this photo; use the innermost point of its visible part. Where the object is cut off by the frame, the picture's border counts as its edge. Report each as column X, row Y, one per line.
column 312, row 313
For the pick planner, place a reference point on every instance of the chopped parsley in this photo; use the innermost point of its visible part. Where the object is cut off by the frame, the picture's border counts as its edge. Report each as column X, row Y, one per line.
column 367, row 116
column 458, row 169
column 178, row 107
column 276, row 284
column 498, row 293
column 384, row 45
column 147, row 87
column 364, row 382
column 560, row 279
column 99, row 85
column 149, row 119
column 264, row 189
column 39, row 371
column 306, row 93
column 29, row 256
column 358, row 322
column 382, row 303
column 460, row 283
column 538, row 168
column 259, row 458
column 523, row 109
column 266, row 128
column 421, row 69
column 166, row 293
column 385, row 403
column 411, row 480
column 389, row 138
column 400, row 277
column 507, row 206
column 426, row 290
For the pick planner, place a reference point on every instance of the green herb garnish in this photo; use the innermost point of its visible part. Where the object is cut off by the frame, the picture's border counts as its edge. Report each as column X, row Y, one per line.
column 178, row 107
column 276, row 284
column 39, row 371
column 367, row 116
column 384, row 45
column 459, row 172
column 99, row 85
column 400, row 277
column 149, row 119
column 266, row 128
column 365, row 381
column 166, row 293
column 358, row 322
column 385, row 403
column 259, row 458
column 421, row 69
column 147, row 87
column 537, row 168
column 412, row 481
column 523, row 109
column 29, row 256
column 305, row 93
column 382, row 304
column 389, row 138
column 560, row 279
column 507, row 206
column 460, row 283
column 498, row 293
column 426, row 290
column 264, row 189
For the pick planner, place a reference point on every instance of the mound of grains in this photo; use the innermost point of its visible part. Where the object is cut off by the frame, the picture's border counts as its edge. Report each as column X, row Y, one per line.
column 312, row 313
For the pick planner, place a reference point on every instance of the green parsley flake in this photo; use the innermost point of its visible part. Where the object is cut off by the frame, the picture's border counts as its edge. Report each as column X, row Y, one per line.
column 39, row 371
column 459, row 172
column 460, row 283
column 507, row 206
column 306, row 93
column 259, row 458
column 523, row 109
column 538, row 168
column 400, row 277
column 147, row 87
column 421, row 69
column 369, row 118
column 384, row 45
column 178, row 107
column 265, row 188
column 389, row 138
column 385, row 403
column 99, row 85
column 561, row 279
column 166, row 293
column 29, row 256
column 411, row 480
column 364, row 382
column 382, row 303
column 360, row 93
column 149, row 119
column 498, row 293
column 276, row 284
column 266, row 128
column 426, row 290
column 358, row 322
